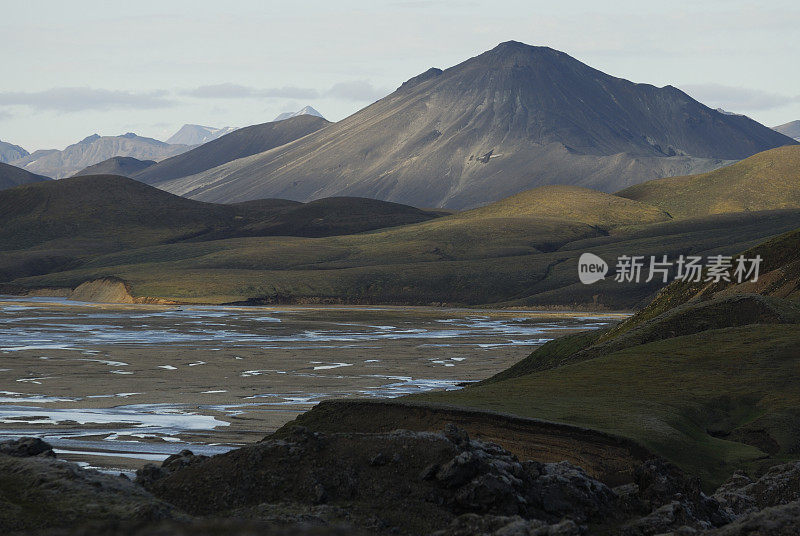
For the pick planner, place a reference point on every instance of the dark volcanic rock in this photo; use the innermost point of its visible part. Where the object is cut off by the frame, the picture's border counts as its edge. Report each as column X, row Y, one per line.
column 420, row 481
column 780, row 485
column 39, row 492
column 25, row 447
column 673, row 500
column 783, row 520
column 151, row 472
column 472, row 524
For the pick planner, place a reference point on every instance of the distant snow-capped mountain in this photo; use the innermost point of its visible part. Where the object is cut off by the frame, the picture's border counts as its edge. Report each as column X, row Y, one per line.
column 308, row 110
column 198, row 134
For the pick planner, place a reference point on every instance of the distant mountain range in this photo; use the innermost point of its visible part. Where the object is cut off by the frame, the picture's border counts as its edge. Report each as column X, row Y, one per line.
column 791, row 129
column 308, row 110
column 94, row 149
column 11, row 176
column 510, row 119
column 197, row 134
column 10, row 152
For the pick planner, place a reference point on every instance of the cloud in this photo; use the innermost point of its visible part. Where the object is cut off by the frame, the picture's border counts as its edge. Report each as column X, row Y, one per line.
column 356, row 90
column 5, row 115
column 75, row 99
column 738, row 98
column 236, row 91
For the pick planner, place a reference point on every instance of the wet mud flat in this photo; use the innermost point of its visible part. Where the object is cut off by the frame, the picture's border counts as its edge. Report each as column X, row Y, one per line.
column 116, row 386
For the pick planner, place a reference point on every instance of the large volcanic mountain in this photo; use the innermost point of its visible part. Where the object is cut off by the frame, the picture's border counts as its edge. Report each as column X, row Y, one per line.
column 507, row 120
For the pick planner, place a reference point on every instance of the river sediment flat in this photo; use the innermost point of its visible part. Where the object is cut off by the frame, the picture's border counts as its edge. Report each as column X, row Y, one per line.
column 115, row 386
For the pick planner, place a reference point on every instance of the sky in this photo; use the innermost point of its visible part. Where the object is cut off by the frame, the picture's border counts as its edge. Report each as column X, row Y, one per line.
column 71, row 69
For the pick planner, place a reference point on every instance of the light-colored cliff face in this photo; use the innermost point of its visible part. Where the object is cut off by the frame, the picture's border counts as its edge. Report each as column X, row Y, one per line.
column 94, row 149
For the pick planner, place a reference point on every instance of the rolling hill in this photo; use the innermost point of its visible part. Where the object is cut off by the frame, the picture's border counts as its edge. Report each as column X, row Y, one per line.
column 10, row 152
column 124, row 166
column 94, row 149
column 55, row 225
column 768, row 180
column 702, row 377
column 238, row 144
column 517, row 252
column 571, row 203
column 11, row 176
column 510, row 119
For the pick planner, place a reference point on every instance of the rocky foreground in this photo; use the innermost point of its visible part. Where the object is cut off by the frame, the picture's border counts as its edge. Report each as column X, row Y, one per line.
column 391, row 483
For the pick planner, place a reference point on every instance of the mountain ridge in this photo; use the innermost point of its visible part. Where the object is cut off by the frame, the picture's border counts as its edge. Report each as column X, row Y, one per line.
column 190, row 134
column 10, row 152
column 510, row 119
column 240, row 143
column 94, row 149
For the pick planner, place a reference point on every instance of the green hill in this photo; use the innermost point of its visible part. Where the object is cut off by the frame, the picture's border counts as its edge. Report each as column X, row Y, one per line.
column 517, row 252
column 572, row 203
column 110, row 211
column 765, row 181
column 57, row 225
column 706, row 381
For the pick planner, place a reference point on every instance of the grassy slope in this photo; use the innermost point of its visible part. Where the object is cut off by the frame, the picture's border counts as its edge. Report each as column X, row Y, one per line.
column 451, row 258
column 521, row 251
column 708, row 381
column 572, row 203
column 508, row 261
column 56, row 225
column 767, row 180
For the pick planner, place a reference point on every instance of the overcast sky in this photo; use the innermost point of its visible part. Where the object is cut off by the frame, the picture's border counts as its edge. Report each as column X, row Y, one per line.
column 74, row 68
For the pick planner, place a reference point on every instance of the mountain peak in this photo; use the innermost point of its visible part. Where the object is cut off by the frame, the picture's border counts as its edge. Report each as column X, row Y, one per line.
column 90, row 139
column 306, row 110
column 433, row 72
column 190, row 134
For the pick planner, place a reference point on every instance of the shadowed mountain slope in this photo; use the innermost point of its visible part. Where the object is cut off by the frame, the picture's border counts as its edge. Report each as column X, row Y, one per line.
column 11, row 176
column 503, row 122
column 124, row 166
column 238, row 144
column 768, row 180
column 57, row 225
